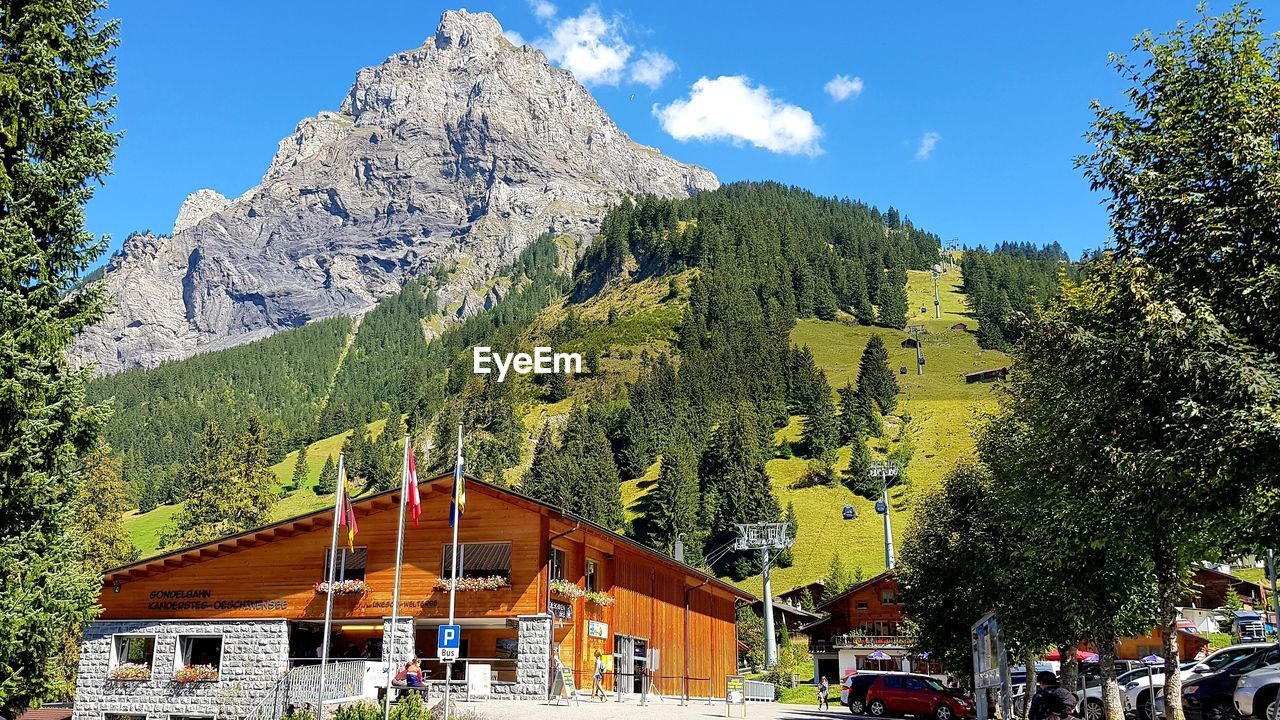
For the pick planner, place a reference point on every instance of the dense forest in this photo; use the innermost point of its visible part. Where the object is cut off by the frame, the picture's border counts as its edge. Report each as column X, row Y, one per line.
column 742, row 263
column 1010, row 283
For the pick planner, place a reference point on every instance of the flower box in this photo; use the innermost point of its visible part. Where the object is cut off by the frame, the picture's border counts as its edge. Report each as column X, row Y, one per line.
column 130, row 672
column 196, row 673
column 600, row 598
column 342, row 587
column 481, row 584
column 566, row 590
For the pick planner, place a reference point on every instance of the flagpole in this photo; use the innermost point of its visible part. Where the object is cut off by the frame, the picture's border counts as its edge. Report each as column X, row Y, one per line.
column 333, row 566
column 453, row 582
column 395, row 595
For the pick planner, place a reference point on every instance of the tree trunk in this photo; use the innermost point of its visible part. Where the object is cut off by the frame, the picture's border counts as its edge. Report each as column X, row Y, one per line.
column 1030, row 661
column 1068, row 667
column 1112, row 706
column 1167, row 587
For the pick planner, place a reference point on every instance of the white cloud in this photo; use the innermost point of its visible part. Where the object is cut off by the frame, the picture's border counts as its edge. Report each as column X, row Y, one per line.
column 589, row 46
column 928, row 142
column 730, row 108
column 652, row 68
column 514, row 37
column 843, row 87
column 542, row 9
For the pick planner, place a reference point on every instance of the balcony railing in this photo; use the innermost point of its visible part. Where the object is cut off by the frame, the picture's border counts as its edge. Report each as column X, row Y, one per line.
column 855, row 641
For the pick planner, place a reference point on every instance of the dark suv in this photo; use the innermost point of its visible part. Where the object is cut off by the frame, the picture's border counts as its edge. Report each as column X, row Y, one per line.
column 1211, row 696
column 901, row 694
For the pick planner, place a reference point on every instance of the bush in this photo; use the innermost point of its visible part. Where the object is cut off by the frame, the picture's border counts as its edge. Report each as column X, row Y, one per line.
column 410, row 708
column 363, row 710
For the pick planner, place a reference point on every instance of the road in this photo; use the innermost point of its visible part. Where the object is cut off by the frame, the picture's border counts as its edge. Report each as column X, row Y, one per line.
column 668, row 710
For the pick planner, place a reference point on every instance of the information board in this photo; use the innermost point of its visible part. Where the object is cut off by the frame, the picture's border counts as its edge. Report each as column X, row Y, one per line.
column 479, row 681
column 735, row 693
column 562, row 686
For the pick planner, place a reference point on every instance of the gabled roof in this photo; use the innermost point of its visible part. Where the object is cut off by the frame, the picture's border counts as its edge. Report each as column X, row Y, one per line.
column 377, row 502
column 887, row 574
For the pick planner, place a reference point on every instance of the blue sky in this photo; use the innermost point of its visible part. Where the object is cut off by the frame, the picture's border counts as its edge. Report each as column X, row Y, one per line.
column 965, row 116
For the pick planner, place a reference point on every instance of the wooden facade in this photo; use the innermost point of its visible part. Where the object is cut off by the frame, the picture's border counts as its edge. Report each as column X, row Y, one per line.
column 689, row 617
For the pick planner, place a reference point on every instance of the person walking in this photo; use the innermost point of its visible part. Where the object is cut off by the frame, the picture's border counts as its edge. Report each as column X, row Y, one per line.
column 824, row 690
column 597, row 679
column 1052, row 701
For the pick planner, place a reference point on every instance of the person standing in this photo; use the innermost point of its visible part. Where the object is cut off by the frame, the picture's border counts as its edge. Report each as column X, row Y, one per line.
column 597, row 679
column 824, row 690
column 1051, row 701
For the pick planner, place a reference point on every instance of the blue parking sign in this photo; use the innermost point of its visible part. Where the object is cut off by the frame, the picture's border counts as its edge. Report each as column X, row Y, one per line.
column 448, row 642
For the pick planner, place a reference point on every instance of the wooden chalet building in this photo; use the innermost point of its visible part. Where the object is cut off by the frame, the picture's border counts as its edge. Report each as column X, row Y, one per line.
column 862, row 621
column 249, row 607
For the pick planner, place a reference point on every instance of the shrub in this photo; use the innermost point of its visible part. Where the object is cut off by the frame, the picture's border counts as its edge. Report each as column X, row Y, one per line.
column 410, row 708
column 363, row 710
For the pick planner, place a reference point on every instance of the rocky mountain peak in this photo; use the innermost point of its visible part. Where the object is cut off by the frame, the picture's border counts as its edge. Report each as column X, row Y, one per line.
column 461, row 29
column 462, row 151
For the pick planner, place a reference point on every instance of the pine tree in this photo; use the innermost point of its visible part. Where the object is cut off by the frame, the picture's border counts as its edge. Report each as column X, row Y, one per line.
column 55, row 73
column 858, row 473
column 893, row 301
column 300, row 470
column 837, row 580
column 677, row 507
column 557, row 387
column 866, row 409
column 851, row 424
column 875, row 377
column 357, row 452
column 735, row 486
column 388, row 454
column 543, row 480
column 229, row 488
column 821, row 432
column 101, row 503
column 786, row 558
column 328, row 482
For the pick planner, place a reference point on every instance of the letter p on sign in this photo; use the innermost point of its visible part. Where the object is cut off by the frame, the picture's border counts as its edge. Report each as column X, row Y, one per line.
column 449, row 640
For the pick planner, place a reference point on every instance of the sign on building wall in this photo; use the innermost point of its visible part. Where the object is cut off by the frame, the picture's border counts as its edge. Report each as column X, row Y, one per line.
column 560, row 610
column 597, row 629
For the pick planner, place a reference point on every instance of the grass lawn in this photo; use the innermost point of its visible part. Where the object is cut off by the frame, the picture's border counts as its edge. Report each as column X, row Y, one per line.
column 943, row 409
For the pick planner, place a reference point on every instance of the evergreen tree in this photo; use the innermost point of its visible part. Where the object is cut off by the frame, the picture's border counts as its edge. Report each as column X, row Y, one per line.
column 735, row 486
column 866, row 409
column 557, row 387
column 100, row 505
column 578, row 475
column 229, row 488
column 677, row 509
column 300, row 470
column 328, row 481
column 837, row 580
column 786, row 558
column 821, row 431
column 357, row 452
column 875, row 377
column 859, row 470
column 851, row 425
column 893, row 300
column 388, row 454
column 55, row 71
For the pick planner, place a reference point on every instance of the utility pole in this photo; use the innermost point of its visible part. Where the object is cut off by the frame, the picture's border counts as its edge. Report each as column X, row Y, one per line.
column 885, row 469
column 916, row 331
column 1275, row 599
column 765, row 537
column 937, row 301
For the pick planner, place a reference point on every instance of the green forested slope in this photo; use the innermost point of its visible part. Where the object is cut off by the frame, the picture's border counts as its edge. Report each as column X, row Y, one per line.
column 728, row 287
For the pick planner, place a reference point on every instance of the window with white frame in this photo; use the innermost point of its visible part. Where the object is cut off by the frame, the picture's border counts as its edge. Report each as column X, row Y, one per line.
column 558, row 564
column 593, row 576
column 139, row 650
column 199, row 651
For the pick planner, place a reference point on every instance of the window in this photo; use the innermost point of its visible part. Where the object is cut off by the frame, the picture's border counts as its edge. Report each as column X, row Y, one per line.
column 892, row 681
column 888, row 597
column 199, row 650
column 133, row 649
column 862, row 605
column 350, row 564
column 593, row 576
column 914, row 684
column 557, row 564
column 477, row 560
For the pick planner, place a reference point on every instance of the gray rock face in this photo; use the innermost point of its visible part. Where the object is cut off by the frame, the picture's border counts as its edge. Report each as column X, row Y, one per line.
column 464, row 150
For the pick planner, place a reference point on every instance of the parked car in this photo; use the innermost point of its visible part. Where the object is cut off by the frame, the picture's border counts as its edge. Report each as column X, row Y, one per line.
column 1255, row 694
column 1212, row 696
column 902, row 694
column 1137, row 692
column 853, row 691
